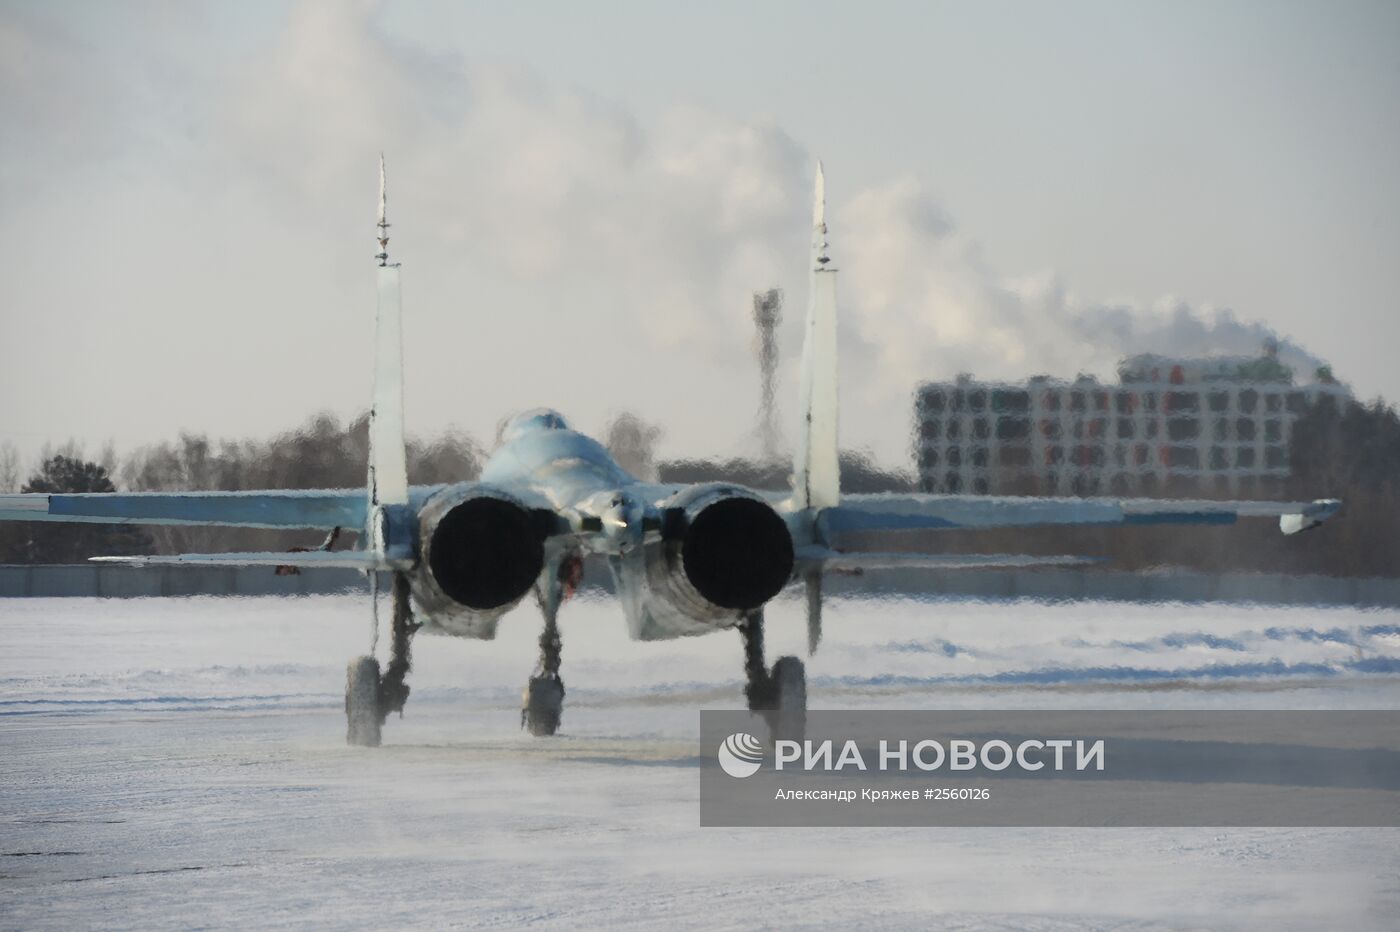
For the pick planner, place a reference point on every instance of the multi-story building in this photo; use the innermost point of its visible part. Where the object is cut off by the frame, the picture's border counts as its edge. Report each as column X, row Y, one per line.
column 1220, row 424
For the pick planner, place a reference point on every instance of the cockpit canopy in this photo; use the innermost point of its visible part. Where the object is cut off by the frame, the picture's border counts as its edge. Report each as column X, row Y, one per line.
column 528, row 422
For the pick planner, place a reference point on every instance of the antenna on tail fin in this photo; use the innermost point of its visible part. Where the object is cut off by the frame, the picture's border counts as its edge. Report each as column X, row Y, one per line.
column 817, row 476
column 383, row 225
column 388, row 469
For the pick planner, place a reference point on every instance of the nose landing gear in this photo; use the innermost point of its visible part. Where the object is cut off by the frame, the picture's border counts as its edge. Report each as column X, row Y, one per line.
column 542, row 706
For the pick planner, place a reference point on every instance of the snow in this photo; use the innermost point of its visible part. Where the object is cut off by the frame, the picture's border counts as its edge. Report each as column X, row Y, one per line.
column 169, row 763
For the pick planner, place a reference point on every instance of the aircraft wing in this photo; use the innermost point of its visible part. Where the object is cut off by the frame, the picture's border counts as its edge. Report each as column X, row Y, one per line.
column 891, row 513
column 321, row 508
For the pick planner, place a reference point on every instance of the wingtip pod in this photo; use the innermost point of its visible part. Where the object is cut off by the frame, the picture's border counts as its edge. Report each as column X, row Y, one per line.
column 1310, row 517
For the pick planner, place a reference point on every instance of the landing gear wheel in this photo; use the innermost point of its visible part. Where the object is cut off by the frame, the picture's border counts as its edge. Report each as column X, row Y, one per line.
column 362, row 703
column 543, row 705
column 789, row 718
column 369, row 697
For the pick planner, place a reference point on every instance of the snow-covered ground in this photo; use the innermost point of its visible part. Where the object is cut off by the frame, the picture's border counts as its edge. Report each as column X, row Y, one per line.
column 180, row 762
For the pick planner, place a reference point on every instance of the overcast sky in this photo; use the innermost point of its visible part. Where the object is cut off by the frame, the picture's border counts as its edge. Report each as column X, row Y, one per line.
column 585, row 195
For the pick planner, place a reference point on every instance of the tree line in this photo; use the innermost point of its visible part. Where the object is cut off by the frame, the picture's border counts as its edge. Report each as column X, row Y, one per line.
column 322, row 454
column 1349, row 451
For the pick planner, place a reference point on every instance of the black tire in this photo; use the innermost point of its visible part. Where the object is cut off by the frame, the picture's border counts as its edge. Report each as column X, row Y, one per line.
column 362, row 720
column 790, row 684
column 544, row 705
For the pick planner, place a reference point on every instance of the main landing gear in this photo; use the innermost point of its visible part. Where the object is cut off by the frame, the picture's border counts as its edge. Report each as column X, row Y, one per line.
column 780, row 694
column 370, row 697
column 542, row 706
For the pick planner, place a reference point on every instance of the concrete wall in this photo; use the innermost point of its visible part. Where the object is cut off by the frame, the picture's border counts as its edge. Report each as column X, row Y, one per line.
column 1048, row 584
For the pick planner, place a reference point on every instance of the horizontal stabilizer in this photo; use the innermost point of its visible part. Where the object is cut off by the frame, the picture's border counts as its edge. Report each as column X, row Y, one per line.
column 817, row 558
column 309, row 559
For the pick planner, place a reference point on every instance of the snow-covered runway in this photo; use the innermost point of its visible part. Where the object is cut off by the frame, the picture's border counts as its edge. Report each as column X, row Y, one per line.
column 180, row 762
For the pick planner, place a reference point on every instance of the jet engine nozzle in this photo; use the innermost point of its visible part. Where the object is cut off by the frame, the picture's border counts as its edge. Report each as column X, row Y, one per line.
column 725, row 550
column 482, row 547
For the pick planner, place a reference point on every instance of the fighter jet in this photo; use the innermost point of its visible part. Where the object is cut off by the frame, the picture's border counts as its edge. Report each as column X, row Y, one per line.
column 684, row 559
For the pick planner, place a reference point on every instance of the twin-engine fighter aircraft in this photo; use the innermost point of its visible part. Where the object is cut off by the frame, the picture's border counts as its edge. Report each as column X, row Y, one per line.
column 685, row 559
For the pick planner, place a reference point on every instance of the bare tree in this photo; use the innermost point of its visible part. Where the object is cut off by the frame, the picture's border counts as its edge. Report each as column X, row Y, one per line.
column 72, row 449
column 9, row 467
column 632, row 442
column 321, row 454
column 451, row 457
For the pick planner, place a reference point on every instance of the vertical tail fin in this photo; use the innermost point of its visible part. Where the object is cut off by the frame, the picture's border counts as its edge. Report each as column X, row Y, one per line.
column 388, row 469
column 817, row 476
